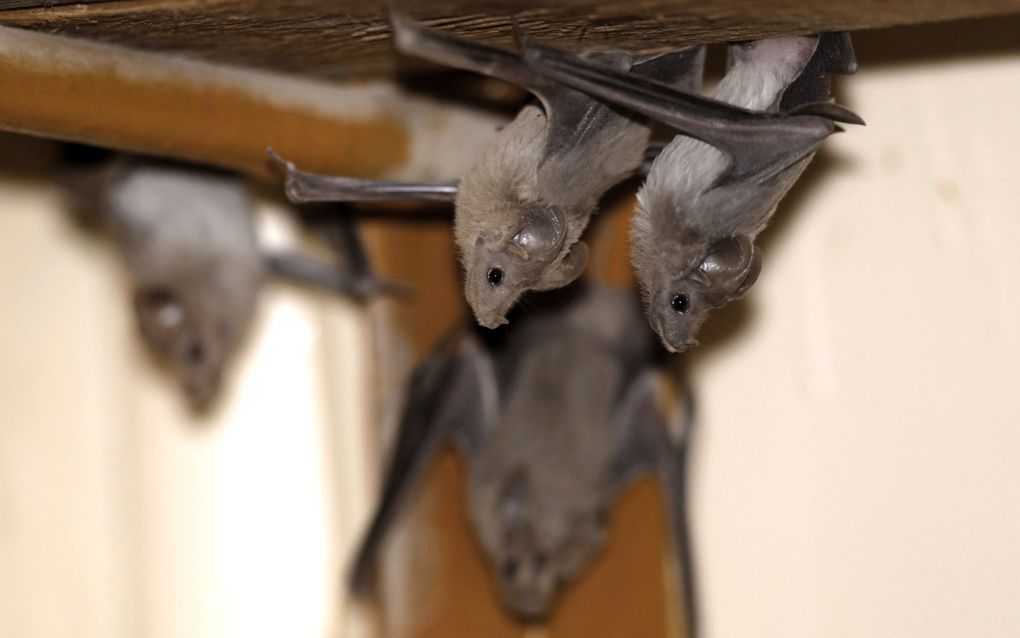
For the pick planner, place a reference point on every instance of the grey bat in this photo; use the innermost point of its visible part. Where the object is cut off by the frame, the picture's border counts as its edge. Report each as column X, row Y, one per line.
column 522, row 207
column 187, row 237
column 554, row 416
column 716, row 185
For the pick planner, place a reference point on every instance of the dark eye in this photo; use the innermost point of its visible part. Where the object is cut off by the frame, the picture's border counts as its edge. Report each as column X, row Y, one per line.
column 680, row 303
column 494, row 276
column 195, row 353
column 509, row 568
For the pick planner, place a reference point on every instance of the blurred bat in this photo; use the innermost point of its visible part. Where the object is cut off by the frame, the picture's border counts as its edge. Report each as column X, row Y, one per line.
column 521, row 208
column 188, row 239
column 715, row 187
column 554, row 417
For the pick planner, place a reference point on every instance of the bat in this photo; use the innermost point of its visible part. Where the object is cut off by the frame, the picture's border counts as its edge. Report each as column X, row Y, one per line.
column 554, row 415
column 187, row 237
column 522, row 207
column 716, row 185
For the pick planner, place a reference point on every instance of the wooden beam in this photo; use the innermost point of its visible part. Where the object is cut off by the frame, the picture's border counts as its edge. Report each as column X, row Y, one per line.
column 351, row 38
column 58, row 87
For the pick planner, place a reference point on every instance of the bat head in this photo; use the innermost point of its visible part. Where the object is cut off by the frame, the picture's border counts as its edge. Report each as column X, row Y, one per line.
column 678, row 305
column 191, row 336
column 530, row 254
column 537, row 542
column 188, row 239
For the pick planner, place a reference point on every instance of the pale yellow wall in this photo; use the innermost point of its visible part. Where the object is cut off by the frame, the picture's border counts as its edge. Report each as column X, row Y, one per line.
column 855, row 467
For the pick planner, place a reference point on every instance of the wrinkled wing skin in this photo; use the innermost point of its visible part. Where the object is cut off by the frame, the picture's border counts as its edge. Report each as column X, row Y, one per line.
column 645, row 447
column 450, row 399
column 759, row 145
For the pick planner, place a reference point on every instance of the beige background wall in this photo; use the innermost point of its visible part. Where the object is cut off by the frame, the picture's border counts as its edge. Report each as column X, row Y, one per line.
column 855, row 467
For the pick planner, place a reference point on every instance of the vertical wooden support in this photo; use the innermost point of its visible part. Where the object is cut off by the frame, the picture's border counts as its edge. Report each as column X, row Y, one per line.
column 446, row 586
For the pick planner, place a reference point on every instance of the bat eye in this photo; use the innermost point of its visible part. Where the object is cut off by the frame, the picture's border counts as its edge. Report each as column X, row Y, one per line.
column 195, row 353
column 680, row 303
column 509, row 568
column 494, row 276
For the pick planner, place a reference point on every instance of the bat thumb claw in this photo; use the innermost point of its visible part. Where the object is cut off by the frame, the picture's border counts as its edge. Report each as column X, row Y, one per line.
column 276, row 160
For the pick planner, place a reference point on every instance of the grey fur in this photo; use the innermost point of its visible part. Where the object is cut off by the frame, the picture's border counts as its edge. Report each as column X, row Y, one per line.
column 187, row 236
column 554, row 419
column 522, row 207
column 188, row 240
column 713, row 189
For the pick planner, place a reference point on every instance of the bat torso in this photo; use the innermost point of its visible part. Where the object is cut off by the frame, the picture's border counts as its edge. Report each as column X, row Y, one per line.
column 530, row 165
column 545, row 474
column 678, row 197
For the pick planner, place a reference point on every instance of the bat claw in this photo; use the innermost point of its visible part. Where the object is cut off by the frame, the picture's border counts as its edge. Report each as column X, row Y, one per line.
column 831, row 111
column 276, row 160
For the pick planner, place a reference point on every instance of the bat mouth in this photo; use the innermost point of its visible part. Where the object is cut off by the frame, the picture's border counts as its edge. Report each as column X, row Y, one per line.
column 671, row 345
column 491, row 322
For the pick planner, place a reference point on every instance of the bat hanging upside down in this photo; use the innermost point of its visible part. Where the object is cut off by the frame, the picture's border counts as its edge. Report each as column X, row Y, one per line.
column 187, row 236
column 716, row 185
column 554, row 417
column 521, row 209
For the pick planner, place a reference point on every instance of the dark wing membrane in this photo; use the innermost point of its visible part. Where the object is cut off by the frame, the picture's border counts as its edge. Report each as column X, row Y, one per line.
column 446, row 403
column 682, row 69
column 759, row 145
column 645, row 447
column 834, row 54
column 303, row 188
column 414, row 39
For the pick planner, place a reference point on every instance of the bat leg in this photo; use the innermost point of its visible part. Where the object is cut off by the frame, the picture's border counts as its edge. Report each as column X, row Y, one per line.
column 759, row 145
column 301, row 187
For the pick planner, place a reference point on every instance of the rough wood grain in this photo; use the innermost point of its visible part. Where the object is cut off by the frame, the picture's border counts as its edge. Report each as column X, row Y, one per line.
column 351, row 38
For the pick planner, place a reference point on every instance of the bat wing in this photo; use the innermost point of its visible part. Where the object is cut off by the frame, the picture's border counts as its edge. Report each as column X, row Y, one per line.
column 682, row 69
column 759, row 145
column 572, row 115
column 318, row 274
column 450, row 399
column 413, row 38
column 834, row 54
column 645, row 446
column 302, row 187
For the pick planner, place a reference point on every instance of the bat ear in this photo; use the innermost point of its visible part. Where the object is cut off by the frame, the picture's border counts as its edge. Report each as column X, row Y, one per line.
column 568, row 270
column 541, row 235
column 730, row 268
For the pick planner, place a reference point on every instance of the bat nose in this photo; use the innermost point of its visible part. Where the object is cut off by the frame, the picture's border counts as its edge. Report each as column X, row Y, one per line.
column 493, row 322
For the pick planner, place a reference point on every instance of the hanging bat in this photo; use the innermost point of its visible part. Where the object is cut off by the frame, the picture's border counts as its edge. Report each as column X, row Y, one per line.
column 188, row 239
column 521, row 208
column 554, row 417
column 716, row 185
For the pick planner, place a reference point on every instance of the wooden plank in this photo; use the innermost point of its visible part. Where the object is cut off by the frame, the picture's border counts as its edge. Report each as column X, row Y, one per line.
column 351, row 38
column 69, row 89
